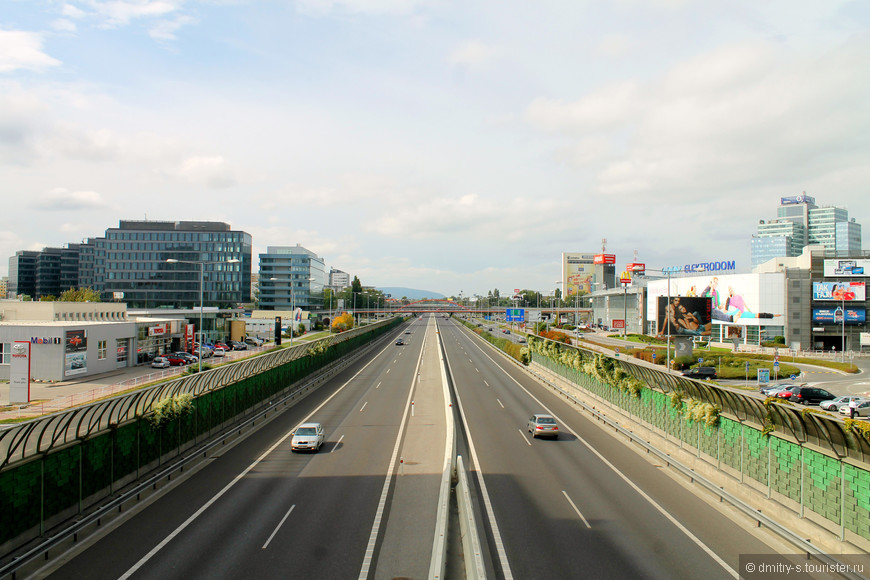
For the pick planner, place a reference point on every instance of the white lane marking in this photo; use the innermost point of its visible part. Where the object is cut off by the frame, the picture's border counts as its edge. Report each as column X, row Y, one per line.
column 363, row 407
column 485, row 383
column 281, row 523
column 378, row 385
column 382, row 502
column 575, row 509
column 490, row 513
column 523, row 435
column 625, row 478
column 388, row 371
column 337, row 443
column 238, row 478
column 500, row 403
column 476, row 369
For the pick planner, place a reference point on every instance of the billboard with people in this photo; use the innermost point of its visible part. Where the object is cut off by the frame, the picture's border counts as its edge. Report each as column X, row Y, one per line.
column 578, row 271
column 839, row 291
column 736, row 299
column 684, row 315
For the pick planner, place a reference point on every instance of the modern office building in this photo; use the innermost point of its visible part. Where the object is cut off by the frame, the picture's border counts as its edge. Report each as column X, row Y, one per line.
column 22, row 274
column 211, row 264
column 338, row 280
column 291, row 277
column 799, row 223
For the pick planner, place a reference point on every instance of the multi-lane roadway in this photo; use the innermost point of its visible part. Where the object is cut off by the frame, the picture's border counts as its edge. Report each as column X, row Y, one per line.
column 584, row 505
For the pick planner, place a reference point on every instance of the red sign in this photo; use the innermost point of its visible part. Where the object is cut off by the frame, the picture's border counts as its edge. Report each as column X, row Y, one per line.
column 617, row 323
column 635, row 267
column 604, row 259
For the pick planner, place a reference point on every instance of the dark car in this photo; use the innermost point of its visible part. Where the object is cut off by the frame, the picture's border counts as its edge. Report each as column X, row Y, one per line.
column 700, row 373
column 236, row 345
column 806, row 395
column 189, row 358
column 400, row 342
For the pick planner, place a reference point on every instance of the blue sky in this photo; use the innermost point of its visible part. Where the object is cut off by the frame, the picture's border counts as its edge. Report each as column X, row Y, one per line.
column 449, row 146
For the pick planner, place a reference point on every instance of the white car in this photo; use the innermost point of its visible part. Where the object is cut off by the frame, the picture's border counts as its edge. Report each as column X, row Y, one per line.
column 307, row 437
column 160, row 362
column 219, row 351
column 543, row 426
column 863, row 409
column 836, row 404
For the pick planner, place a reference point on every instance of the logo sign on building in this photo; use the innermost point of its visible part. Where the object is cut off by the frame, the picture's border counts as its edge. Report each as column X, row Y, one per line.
column 847, row 268
column 839, row 291
column 45, row 340
column 617, row 323
column 604, row 259
column 830, row 315
column 795, row 199
column 625, row 277
column 76, row 353
column 636, row 267
column 719, row 266
column 158, row 330
column 515, row 314
column 19, row 373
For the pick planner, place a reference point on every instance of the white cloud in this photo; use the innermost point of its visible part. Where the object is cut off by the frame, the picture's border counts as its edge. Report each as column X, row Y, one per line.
column 23, row 50
column 117, row 13
column 325, row 7
column 61, row 199
column 166, row 29
column 63, row 25
column 474, row 53
column 213, row 172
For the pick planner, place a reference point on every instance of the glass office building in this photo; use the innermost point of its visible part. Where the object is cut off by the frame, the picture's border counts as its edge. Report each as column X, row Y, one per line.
column 130, row 264
column 292, row 276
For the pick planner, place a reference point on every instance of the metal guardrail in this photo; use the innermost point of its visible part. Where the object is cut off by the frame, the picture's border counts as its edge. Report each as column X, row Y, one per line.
column 43, row 434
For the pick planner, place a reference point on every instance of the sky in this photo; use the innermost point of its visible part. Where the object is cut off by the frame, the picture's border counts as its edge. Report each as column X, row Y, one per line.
column 451, row 146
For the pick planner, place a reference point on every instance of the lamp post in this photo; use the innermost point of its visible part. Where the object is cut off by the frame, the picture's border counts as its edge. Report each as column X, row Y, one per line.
column 201, row 265
column 293, row 309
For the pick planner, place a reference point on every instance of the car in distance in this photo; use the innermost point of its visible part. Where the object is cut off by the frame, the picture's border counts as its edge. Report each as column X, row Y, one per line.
column 863, row 409
column 400, row 342
column 543, row 426
column 307, row 437
column 254, row 341
column 836, row 404
column 700, row 373
column 236, row 345
column 160, row 362
column 805, row 395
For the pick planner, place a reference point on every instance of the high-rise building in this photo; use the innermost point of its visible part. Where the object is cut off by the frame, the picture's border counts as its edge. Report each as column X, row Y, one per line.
column 800, row 222
column 338, row 280
column 291, row 276
column 22, row 274
column 131, row 264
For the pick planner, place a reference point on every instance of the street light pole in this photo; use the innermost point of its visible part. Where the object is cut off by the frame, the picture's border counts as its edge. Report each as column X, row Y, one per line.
column 201, row 265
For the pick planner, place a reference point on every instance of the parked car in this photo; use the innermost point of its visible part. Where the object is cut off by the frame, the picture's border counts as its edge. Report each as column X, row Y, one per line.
column 223, row 345
column 254, row 341
column 236, row 345
column 863, row 409
column 203, row 352
column 521, row 340
column 835, row 404
column 219, row 351
column 771, row 389
column 307, row 437
column 805, row 395
column 175, row 360
column 543, row 426
column 160, row 362
column 700, row 373
column 189, row 358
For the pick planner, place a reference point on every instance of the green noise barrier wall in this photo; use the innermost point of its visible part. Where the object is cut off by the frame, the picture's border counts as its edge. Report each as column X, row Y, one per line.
column 47, row 487
column 830, row 484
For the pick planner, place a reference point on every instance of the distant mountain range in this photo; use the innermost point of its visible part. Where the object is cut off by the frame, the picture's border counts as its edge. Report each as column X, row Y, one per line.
column 409, row 293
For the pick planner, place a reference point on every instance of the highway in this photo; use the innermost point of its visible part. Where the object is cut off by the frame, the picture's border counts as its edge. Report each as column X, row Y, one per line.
column 259, row 510
column 584, row 505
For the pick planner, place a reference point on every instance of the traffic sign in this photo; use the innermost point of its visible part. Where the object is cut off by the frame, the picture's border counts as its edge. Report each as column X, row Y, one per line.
column 794, row 377
column 776, row 365
column 700, row 360
column 654, row 355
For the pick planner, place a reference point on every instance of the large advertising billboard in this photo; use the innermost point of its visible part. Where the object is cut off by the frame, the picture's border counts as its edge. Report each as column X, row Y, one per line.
column 578, row 271
column 742, row 299
column 835, row 315
column 684, row 315
column 839, row 291
column 76, row 353
column 846, row 268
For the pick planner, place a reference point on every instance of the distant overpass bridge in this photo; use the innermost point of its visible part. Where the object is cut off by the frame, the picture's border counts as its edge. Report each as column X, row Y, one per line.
column 445, row 306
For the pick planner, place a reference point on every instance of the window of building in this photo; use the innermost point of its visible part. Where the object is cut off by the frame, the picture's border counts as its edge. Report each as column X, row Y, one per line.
column 101, row 349
column 4, row 349
column 122, row 349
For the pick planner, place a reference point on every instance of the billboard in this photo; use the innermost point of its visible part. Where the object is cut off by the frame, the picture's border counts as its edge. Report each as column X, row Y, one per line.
column 839, row 291
column 604, row 258
column 846, row 268
column 736, row 299
column 578, row 272
column 684, row 315
column 835, row 315
column 76, row 353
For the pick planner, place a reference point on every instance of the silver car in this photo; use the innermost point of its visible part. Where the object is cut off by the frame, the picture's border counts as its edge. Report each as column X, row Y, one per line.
column 307, row 437
column 543, row 426
column 835, row 404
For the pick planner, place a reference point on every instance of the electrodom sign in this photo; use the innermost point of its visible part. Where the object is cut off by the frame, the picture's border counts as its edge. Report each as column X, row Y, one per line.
column 720, row 266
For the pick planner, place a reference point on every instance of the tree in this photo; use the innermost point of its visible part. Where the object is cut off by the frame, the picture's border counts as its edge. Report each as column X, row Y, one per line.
column 80, row 295
column 356, row 286
column 342, row 322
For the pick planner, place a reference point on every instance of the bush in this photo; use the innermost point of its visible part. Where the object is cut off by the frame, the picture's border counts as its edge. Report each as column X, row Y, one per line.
column 171, row 408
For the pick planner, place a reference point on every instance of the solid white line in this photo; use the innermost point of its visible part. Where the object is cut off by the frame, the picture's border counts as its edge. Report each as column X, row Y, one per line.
column 523, row 435
column 337, row 443
column 363, row 407
column 382, row 502
column 625, row 478
column 281, row 523
column 500, row 403
column 575, row 509
column 235, row 480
